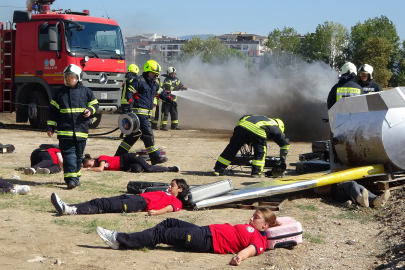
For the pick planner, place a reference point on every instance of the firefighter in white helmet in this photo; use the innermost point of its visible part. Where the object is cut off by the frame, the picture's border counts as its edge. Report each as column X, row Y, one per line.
column 69, row 113
column 170, row 84
column 346, row 86
column 366, row 74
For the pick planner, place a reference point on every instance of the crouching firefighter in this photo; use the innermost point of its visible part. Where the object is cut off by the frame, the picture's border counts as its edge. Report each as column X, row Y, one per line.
column 69, row 113
column 255, row 130
column 142, row 91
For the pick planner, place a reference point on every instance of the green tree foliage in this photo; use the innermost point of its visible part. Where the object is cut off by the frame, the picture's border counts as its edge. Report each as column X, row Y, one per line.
column 378, row 27
column 284, row 45
column 211, row 51
column 327, row 44
column 400, row 78
column 376, row 52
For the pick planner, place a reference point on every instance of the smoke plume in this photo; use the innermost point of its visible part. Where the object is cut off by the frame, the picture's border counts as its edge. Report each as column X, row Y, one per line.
column 219, row 95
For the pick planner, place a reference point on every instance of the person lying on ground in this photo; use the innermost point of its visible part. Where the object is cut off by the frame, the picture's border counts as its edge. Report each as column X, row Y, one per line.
column 45, row 161
column 155, row 203
column 245, row 240
column 6, row 187
column 351, row 190
column 130, row 162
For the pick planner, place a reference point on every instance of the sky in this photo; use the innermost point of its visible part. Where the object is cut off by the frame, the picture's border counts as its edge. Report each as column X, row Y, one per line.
column 176, row 18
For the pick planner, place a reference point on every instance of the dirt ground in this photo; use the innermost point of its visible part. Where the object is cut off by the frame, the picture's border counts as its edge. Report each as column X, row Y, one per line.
column 34, row 236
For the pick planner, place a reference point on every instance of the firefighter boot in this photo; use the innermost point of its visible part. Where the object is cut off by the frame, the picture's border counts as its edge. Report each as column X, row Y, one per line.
column 155, row 126
column 174, row 127
column 163, row 128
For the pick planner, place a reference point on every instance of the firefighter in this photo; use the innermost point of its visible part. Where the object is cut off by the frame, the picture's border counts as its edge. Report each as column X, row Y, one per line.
column 366, row 73
column 132, row 73
column 69, row 113
column 255, row 130
column 346, row 86
column 143, row 90
column 171, row 83
column 156, row 102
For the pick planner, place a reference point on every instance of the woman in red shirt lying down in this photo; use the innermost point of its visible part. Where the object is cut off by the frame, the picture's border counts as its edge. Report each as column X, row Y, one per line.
column 155, row 203
column 246, row 240
column 130, row 162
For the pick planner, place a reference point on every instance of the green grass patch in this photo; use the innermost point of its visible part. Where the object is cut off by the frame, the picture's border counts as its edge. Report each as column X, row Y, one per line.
column 89, row 226
column 359, row 215
column 306, row 207
column 35, row 202
column 311, row 218
column 97, row 186
column 316, row 238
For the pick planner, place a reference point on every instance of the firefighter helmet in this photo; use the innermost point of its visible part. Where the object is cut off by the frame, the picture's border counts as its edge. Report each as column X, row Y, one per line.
column 279, row 123
column 366, row 68
column 72, row 74
column 349, row 67
column 153, row 66
column 133, row 68
column 171, row 70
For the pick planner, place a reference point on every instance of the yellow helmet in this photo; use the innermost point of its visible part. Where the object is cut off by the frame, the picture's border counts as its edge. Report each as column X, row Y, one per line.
column 280, row 124
column 133, row 68
column 152, row 65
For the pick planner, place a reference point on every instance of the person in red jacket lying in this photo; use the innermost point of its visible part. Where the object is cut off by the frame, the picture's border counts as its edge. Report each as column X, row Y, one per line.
column 246, row 240
column 155, row 203
column 127, row 162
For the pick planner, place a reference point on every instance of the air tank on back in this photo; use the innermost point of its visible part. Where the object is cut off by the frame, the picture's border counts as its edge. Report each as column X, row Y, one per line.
column 370, row 129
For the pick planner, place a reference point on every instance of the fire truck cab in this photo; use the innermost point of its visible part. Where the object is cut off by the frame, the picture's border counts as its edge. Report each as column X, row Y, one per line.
column 36, row 48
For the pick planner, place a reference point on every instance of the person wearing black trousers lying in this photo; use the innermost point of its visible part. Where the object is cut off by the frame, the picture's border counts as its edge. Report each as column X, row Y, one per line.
column 6, row 187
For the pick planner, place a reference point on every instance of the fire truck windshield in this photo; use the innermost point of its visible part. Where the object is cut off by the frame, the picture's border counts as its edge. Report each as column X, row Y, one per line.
column 100, row 40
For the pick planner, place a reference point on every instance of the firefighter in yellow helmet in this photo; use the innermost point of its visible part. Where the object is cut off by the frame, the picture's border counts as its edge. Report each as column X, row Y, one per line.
column 255, row 129
column 132, row 73
column 142, row 90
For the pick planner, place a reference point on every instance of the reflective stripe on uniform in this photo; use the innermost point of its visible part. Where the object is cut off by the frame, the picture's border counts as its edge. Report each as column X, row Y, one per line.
column 224, row 161
column 51, row 123
column 71, row 133
column 261, row 163
column 93, row 102
column 72, row 110
column 346, row 92
column 53, row 102
column 73, row 175
column 285, row 147
column 152, row 149
column 253, row 128
column 125, row 146
column 175, row 121
column 79, row 173
column 142, row 111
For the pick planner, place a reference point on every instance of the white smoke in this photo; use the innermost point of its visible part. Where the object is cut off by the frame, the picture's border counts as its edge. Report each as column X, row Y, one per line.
column 220, row 95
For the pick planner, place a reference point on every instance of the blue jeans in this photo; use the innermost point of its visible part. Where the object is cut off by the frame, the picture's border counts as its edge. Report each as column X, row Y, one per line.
column 72, row 153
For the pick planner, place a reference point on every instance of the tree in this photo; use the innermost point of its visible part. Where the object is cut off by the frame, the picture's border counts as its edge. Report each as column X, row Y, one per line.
column 328, row 43
column 378, row 27
column 284, row 45
column 376, row 52
column 211, row 51
column 400, row 77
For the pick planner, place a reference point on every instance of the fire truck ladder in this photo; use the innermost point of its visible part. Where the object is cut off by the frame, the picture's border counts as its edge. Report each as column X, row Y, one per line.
column 7, row 68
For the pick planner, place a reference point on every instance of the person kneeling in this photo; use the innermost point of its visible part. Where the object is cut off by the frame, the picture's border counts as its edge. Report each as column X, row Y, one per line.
column 246, row 240
column 155, row 203
column 127, row 162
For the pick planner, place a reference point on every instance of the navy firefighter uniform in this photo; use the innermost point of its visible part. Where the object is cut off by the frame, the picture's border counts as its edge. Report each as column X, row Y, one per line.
column 142, row 91
column 255, row 130
column 170, row 84
column 69, row 113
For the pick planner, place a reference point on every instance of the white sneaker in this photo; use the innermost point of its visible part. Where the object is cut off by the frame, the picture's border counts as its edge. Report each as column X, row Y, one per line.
column 382, row 199
column 22, row 190
column 43, row 171
column 61, row 207
column 362, row 199
column 29, row 171
column 109, row 237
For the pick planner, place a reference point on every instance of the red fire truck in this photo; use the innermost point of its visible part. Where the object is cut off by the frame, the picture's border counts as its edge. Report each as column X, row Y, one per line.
column 36, row 48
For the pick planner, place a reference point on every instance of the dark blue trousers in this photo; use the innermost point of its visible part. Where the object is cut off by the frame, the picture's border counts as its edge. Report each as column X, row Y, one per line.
column 72, row 153
column 147, row 138
column 5, row 187
column 172, row 232
column 117, row 204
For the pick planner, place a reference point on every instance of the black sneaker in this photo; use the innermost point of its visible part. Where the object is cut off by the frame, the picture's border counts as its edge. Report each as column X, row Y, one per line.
column 158, row 160
column 174, row 169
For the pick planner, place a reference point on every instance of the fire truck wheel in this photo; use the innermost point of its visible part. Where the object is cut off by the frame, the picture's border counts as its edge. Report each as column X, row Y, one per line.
column 39, row 102
column 96, row 121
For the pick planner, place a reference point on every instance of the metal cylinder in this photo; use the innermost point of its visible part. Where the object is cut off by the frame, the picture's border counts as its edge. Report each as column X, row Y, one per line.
column 370, row 129
column 128, row 123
